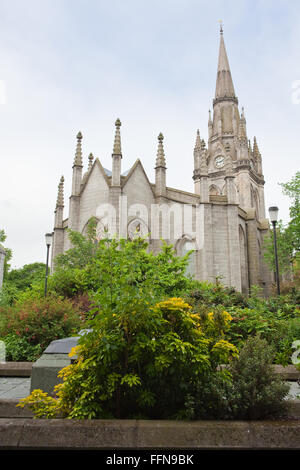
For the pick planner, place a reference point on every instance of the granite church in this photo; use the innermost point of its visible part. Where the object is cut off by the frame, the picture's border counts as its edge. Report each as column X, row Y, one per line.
column 223, row 222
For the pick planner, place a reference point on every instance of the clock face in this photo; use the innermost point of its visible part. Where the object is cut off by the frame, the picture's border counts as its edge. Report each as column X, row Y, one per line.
column 219, row 161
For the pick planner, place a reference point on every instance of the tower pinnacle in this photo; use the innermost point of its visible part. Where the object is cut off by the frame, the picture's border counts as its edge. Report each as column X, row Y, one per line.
column 160, row 159
column 224, row 83
column 60, row 194
column 91, row 158
column 117, row 143
column 78, row 153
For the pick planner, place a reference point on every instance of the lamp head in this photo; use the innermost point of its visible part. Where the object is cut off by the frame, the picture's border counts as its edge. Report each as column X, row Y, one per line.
column 48, row 238
column 273, row 213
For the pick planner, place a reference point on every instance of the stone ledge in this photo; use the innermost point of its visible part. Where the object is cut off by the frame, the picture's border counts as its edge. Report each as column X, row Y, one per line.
column 290, row 372
column 134, row 434
column 287, row 372
column 15, row 369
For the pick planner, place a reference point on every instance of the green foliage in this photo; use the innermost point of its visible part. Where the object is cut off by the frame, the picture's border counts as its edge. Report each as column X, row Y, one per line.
column 26, row 276
column 275, row 319
column 152, row 330
column 21, row 284
column 257, row 392
column 8, row 295
column 18, row 348
column 37, row 321
column 206, row 295
column 135, row 357
column 91, row 264
column 8, row 256
column 248, row 389
column 292, row 189
column 288, row 237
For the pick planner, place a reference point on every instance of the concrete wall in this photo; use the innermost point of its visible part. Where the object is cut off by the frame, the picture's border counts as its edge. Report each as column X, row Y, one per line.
column 115, row 435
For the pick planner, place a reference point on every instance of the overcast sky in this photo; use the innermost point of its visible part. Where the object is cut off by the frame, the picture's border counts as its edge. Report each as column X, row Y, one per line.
column 70, row 65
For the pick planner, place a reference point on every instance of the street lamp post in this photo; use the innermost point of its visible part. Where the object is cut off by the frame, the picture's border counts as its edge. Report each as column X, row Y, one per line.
column 48, row 238
column 273, row 212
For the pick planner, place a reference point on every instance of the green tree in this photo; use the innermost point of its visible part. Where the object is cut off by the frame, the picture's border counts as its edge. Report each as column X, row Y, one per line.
column 292, row 190
column 8, row 256
column 26, row 276
column 288, row 236
column 92, row 265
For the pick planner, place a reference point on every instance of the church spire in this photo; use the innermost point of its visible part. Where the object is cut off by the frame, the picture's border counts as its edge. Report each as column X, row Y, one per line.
column 224, row 83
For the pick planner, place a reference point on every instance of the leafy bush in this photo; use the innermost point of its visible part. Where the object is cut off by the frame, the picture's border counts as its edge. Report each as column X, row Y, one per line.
column 257, row 392
column 207, row 295
column 8, row 295
column 278, row 327
column 86, row 266
column 37, row 321
column 134, row 360
column 248, row 390
column 24, row 277
column 19, row 349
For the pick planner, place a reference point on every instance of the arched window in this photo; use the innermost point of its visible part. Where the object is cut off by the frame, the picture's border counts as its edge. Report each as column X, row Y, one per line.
column 137, row 228
column 214, row 190
column 100, row 228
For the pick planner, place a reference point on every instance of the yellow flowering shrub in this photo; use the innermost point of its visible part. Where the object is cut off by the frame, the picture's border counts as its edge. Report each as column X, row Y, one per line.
column 131, row 363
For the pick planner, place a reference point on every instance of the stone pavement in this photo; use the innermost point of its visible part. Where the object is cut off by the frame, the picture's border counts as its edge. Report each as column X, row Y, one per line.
column 14, row 387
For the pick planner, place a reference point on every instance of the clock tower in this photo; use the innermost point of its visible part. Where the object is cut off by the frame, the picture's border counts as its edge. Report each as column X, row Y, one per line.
column 229, row 152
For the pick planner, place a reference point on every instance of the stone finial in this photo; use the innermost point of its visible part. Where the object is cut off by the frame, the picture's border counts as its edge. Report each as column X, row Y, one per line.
column 91, row 159
column 221, row 26
column 198, row 141
column 160, row 159
column 209, row 118
column 256, row 153
column 78, row 153
column 117, row 142
column 249, row 148
column 242, row 133
column 60, row 195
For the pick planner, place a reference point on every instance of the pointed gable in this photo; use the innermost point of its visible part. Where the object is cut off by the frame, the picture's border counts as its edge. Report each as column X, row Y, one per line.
column 136, row 185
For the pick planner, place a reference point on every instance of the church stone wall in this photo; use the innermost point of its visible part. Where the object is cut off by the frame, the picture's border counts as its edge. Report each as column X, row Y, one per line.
column 95, row 192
